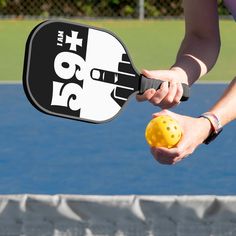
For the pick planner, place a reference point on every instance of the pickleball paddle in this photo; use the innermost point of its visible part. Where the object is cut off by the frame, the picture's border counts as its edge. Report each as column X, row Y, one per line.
column 80, row 72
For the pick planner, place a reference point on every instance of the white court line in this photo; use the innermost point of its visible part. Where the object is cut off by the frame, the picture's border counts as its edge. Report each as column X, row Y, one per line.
column 213, row 82
column 10, row 82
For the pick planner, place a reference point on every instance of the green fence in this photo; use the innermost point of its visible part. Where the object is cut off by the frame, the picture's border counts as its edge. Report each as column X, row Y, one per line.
column 94, row 8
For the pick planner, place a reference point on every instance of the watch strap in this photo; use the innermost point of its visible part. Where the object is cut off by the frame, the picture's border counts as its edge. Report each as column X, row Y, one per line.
column 215, row 124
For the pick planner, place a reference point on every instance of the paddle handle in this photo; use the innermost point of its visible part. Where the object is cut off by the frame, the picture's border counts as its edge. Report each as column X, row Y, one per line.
column 146, row 84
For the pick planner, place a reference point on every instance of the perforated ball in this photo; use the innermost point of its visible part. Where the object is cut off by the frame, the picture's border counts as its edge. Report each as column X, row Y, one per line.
column 163, row 131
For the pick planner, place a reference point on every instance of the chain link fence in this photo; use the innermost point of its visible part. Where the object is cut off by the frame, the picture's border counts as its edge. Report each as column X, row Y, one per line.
column 94, row 8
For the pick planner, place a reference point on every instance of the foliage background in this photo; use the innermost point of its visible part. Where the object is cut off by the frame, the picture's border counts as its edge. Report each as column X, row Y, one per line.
column 93, row 8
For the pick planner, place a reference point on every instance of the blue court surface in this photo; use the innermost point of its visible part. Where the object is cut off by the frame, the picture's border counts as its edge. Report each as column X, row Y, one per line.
column 42, row 154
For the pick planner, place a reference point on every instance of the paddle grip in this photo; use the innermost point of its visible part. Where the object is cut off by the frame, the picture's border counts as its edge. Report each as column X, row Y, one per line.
column 146, row 84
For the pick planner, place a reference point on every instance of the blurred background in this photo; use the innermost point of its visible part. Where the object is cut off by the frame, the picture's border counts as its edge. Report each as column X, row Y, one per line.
column 148, row 28
column 95, row 9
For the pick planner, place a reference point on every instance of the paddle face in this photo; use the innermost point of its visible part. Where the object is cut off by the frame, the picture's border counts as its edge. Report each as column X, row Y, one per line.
column 77, row 72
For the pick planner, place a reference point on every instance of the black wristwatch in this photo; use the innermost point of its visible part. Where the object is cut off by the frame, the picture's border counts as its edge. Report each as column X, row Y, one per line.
column 215, row 124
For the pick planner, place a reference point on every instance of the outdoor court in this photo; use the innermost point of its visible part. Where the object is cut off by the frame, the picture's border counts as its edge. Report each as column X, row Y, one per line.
column 45, row 154
column 59, row 176
column 41, row 154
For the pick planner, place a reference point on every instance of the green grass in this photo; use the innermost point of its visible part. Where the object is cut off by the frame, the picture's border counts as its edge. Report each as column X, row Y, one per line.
column 152, row 45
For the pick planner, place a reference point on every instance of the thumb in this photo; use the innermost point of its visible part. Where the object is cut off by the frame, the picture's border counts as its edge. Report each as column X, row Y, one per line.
column 174, row 115
column 147, row 73
column 156, row 74
column 160, row 113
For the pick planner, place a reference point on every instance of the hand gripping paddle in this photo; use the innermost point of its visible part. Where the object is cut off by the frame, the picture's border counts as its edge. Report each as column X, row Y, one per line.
column 80, row 72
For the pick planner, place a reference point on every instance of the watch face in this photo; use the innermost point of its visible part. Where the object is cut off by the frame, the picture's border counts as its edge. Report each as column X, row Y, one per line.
column 212, row 136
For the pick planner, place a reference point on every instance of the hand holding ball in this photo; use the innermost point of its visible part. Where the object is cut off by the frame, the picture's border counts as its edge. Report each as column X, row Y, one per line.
column 163, row 131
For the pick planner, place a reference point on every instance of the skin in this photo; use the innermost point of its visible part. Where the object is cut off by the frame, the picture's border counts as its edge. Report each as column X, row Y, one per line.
column 197, row 54
column 196, row 130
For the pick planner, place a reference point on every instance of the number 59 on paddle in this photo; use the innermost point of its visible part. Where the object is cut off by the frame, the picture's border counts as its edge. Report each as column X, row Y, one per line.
column 81, row 72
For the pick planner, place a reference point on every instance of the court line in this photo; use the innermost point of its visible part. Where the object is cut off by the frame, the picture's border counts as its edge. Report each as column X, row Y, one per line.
column 213, row 82
column 10, row 82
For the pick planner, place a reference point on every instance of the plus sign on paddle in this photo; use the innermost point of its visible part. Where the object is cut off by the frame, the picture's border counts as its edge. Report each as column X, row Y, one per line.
column 74, row 41
column 80, row 72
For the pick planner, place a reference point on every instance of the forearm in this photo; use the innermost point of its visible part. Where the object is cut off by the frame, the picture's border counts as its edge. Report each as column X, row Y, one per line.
column 196, row 57
column 200, row 47
column 225, row 107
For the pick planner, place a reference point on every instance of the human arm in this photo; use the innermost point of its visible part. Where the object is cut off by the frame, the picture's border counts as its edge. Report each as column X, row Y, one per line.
column 196, row 56
column 196, row 130
column 224, row 108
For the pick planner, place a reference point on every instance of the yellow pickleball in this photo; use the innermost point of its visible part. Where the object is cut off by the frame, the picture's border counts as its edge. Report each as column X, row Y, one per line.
column 163, row 131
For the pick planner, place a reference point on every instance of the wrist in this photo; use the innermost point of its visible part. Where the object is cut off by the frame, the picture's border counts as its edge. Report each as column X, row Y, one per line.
column 206, row 128
column 181, row 74
column 215, row 124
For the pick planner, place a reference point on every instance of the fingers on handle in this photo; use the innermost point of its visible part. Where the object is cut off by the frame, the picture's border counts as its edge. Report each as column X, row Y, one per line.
column 147, row 95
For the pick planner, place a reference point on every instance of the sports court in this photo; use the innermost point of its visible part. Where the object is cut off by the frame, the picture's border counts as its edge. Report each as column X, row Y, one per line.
column 42, row 154
column 61, row 177
column 64, row 177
